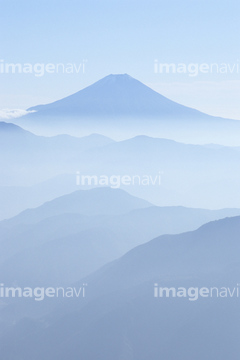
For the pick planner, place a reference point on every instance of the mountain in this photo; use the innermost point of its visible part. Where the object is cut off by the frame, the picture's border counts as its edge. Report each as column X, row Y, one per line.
column 116, row 96
column 98, row 201
column 123, row 319
column 25, row 156
column 15, row 199
column 12, row 135
column 121, row 106
column 11, row 129
column 191, row 175
column 74, row 235
column 59, row 260
column 206, row 252
column 67, row 216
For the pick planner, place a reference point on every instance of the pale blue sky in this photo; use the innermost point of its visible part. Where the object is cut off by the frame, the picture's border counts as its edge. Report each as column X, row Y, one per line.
column 119, row 36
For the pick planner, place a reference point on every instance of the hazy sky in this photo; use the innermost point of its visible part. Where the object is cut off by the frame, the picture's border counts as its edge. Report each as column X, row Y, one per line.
column 122, row 36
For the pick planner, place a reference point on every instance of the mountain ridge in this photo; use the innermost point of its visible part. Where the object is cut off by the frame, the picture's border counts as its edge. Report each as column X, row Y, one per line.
column 118, row 95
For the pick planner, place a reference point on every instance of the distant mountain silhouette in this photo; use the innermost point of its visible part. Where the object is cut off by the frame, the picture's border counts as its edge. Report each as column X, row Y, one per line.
column 121, row 106
column 11, row 128
column 116, row 96
column 13, row 136
column 28, row 160
column 208, row 251
column 97, row 201
column 123, row 320
column 82, row 231
column 28, row 155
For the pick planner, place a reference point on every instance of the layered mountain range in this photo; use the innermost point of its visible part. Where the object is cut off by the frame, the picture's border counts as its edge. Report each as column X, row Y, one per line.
column 120, row 106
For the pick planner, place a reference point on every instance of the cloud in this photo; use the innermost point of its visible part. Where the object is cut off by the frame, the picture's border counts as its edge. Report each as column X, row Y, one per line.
column 13, row 113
